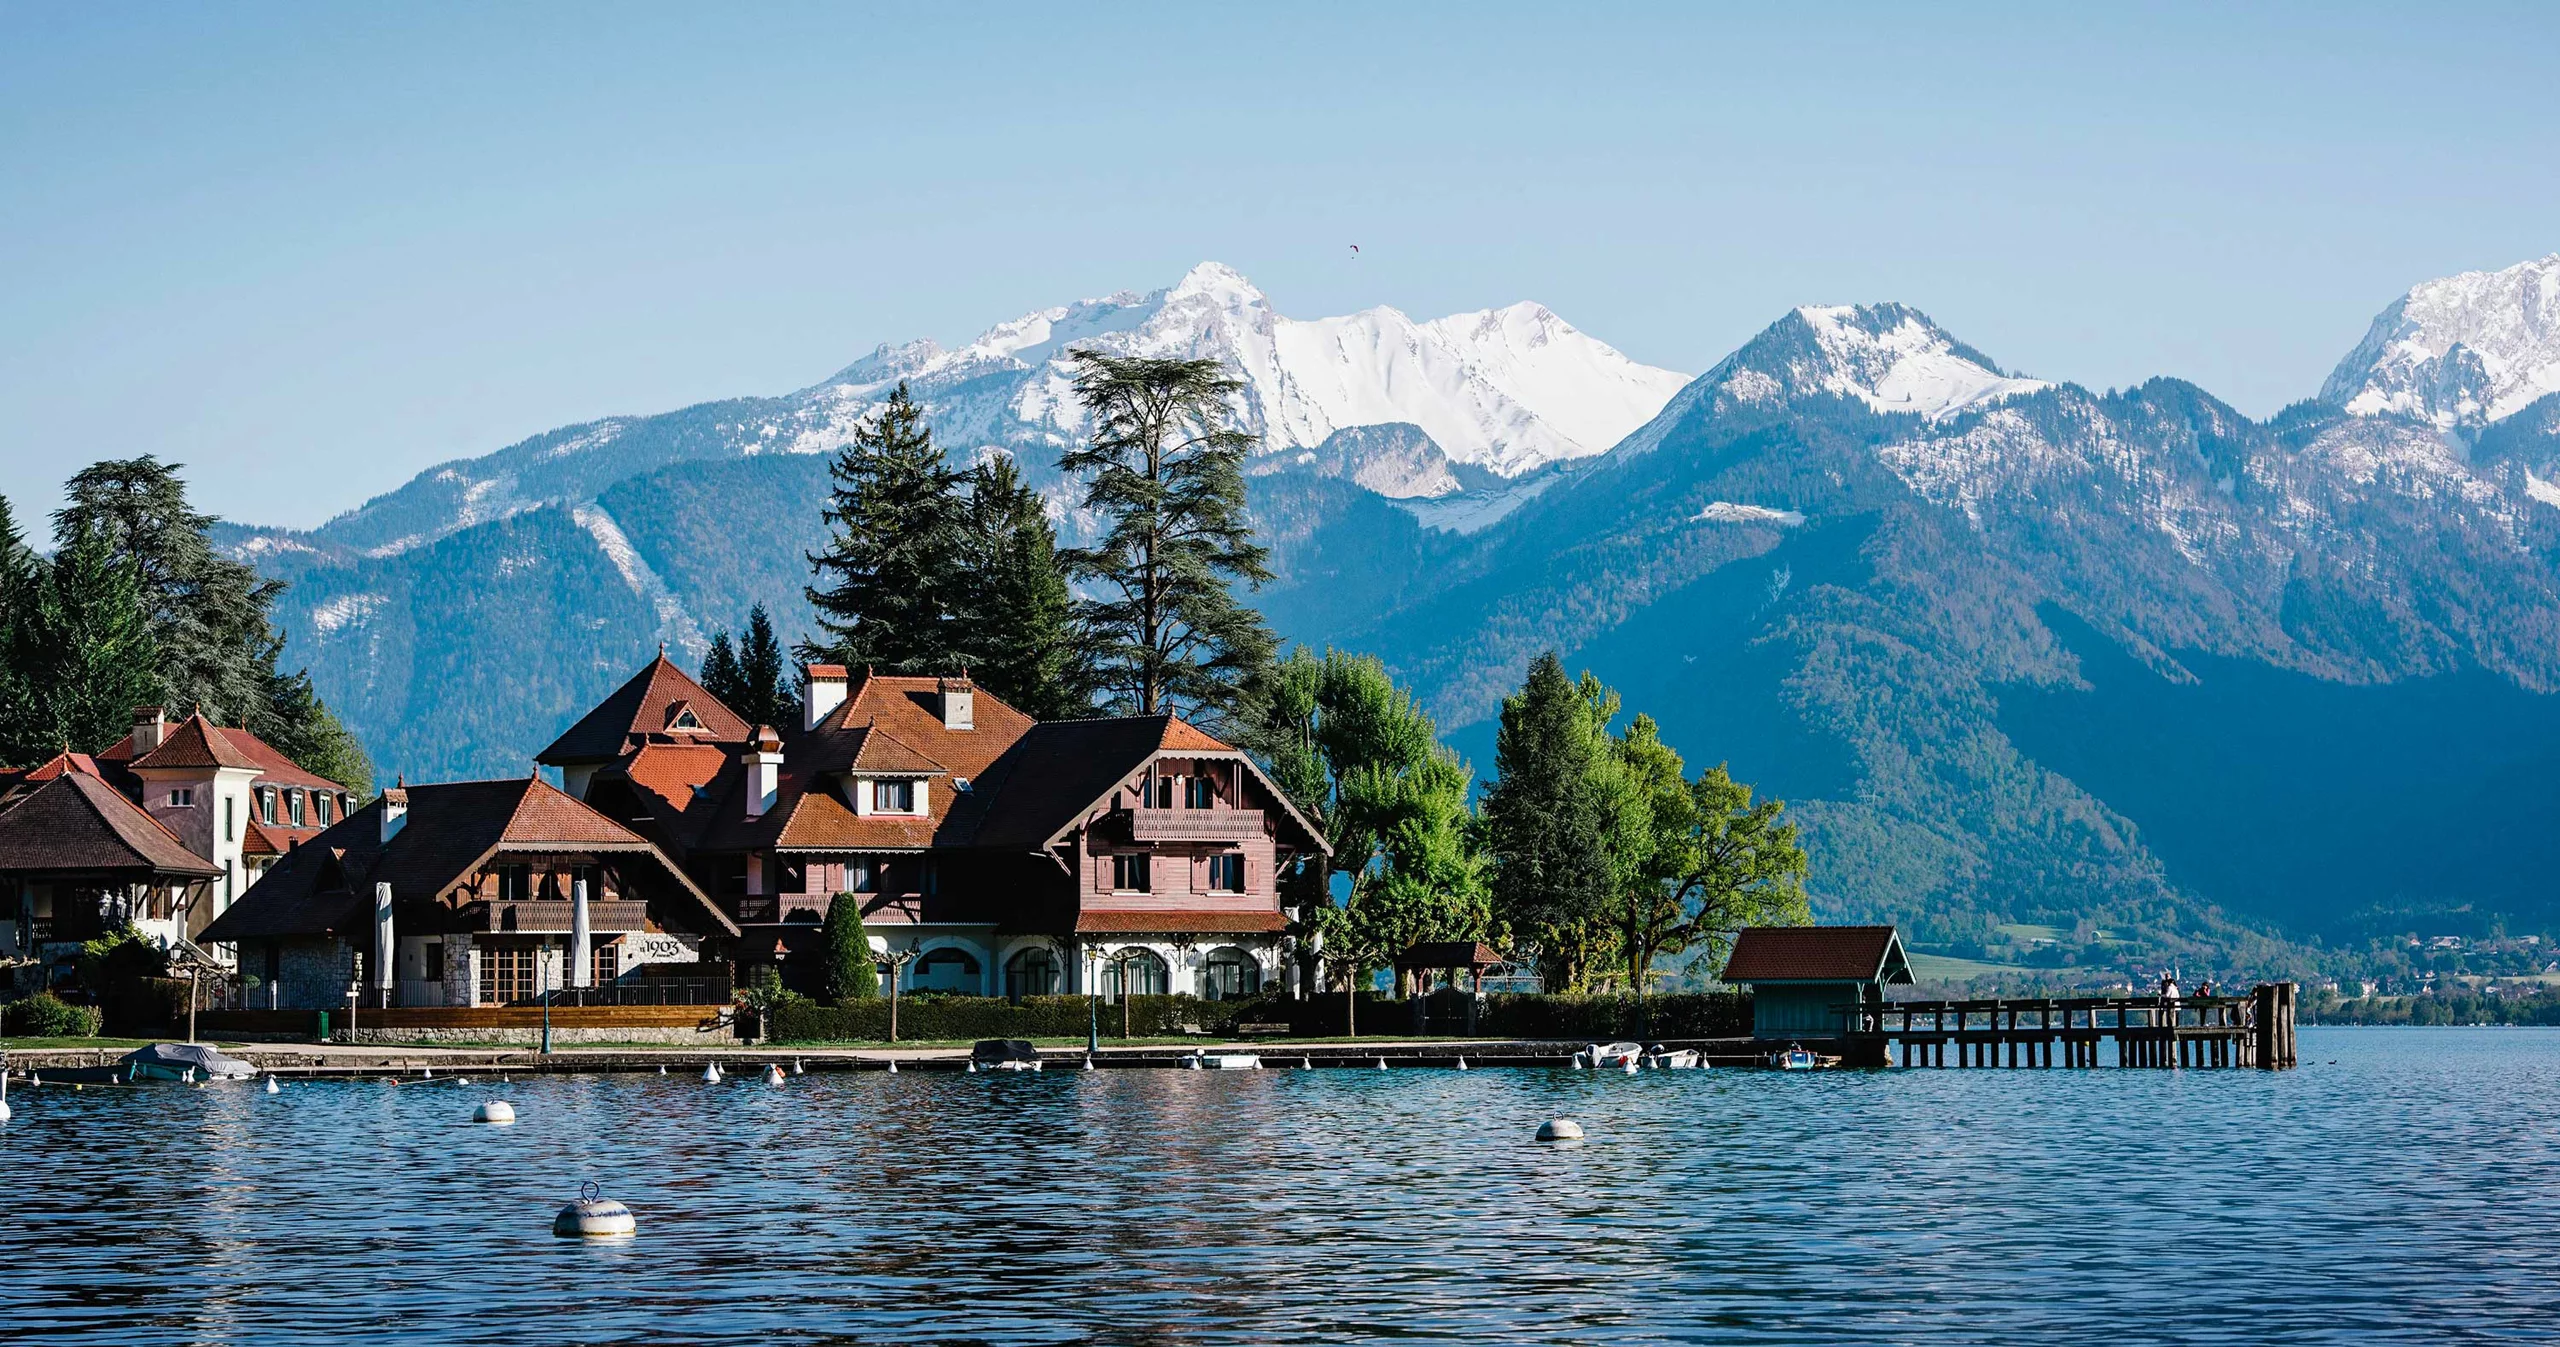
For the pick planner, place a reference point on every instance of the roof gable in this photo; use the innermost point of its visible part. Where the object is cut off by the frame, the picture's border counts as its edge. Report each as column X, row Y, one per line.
column 1064, row 769
column 197, row 743
column 644, row 709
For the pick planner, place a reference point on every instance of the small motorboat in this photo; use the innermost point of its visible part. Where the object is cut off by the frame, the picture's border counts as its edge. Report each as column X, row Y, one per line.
column 183, row 1062
column 1679, row 1059
column 1004, row 1054
column 1795, row 1058
column 1602, row 1056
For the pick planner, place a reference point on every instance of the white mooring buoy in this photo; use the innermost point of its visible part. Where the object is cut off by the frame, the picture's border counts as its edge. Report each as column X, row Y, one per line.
column 1194, row 1062
column 4, row 1094
column 662, row 1068
column 427, row 1073
column 1559, row 1129
column 494, row 1111
column 773, row 1074
column 1632, row 1068
column 1088, row 1061
column 796, row 1068
column 1462, row 1063
column 973, row 1066
column 1382, row 1063
column 271, row 1082
column 710, row 1071
column 593, row 1216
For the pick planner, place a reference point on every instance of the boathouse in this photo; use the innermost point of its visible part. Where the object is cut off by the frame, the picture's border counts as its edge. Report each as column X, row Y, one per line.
column 1801, row 977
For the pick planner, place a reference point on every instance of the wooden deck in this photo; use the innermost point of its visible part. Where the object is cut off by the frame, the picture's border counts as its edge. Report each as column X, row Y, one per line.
column 2256, row 1030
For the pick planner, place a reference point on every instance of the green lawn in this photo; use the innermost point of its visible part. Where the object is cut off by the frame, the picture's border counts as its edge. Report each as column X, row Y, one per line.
column 1944, row 968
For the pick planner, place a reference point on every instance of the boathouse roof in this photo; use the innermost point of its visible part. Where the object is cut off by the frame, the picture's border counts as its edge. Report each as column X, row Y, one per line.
column 1818, row 954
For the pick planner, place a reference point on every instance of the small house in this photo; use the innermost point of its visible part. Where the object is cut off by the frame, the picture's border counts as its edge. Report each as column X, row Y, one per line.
column 1801, row 976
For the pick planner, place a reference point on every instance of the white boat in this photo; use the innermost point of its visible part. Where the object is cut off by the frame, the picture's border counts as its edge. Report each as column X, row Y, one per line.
column 1679, row 1059
column 1230, row 1061
column 1795, row 1058
column 1602, row 1056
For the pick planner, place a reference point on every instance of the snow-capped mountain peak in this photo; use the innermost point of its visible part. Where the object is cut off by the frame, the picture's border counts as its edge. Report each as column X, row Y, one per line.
column 1895, row 360
column 2459, row 352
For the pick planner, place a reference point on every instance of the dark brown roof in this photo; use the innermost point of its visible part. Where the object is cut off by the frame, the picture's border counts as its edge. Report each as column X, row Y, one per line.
column 1060, row 771
column 75, row 823
column 1449, row 954
column 637, row 713
column 1817, row 954
column 197, row 742
column 1222, row 921
column 451, row 830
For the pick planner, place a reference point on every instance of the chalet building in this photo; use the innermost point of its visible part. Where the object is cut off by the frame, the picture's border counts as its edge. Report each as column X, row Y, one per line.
column 79, row 859
column 234, row 800
column 476, row 881
column 992, row 854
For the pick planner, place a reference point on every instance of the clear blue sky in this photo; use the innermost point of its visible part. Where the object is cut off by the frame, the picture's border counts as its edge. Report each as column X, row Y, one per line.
column 309, row 251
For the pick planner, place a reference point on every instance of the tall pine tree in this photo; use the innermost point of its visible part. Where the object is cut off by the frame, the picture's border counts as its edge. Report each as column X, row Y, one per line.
column 887, row 592
column 1165, row 471
column 1018, row 624
column 721, row 676
column 1553, row 819
column 749, row 676
column 85, row 653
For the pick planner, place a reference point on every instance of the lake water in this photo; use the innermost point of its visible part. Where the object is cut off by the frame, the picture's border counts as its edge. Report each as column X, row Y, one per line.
column 2405, row 1192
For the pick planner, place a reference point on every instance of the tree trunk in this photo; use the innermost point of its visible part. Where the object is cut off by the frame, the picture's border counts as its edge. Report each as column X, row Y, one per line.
column 1350, row 1005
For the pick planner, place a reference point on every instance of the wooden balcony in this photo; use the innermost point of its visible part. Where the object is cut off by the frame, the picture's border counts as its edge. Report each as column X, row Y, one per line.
column 552, row 918
column 1194, row 825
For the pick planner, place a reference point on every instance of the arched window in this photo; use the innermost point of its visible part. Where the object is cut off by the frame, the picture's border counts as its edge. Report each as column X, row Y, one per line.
column 1031, row 972
column 944, row 970
column 1230, row 972
column 1144, row 973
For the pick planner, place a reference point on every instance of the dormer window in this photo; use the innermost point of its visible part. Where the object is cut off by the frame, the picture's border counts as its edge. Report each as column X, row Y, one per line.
column 182, row 797
column 292, row 807
column 266, row 805
column 682, row 720
column 893, row 797
column 320, row 815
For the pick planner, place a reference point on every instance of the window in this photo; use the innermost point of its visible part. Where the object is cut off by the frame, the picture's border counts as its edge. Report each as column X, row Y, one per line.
column 1129, row 873
column 230, row 819
column 515, row 883
column 893, row 797
column 944, row 970
column 293, row 806
column 862, row 876
column 182, row 797
column 1199, row 792
column 320, row 808
column 1230, row 973
column 435, row 960
column 1226, row 873
column 604, row 964
column 266, row 805
column 506, row 974
column 1156, row 792
column 1139, row 971
column 1032, row 972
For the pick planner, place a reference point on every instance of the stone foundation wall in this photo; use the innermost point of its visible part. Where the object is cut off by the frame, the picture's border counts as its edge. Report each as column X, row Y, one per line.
column 723, row 1036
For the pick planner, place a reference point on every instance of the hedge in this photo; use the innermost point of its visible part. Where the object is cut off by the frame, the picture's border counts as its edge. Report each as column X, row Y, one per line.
column 975, row 1017
column 1653, row 1018
column 45, row 1015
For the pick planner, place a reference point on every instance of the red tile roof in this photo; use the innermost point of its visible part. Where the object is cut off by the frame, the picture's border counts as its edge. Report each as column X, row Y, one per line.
column 197, row 742
column 274, row 768
column 1817, row 954
column 638, row 712
column 1180, row 734
column 1223, row 921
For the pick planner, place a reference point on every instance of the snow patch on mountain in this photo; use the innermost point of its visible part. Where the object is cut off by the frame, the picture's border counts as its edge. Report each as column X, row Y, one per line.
column 676, row 627
column 2546, row 492
column 2460, row 352
column 346, row 610
column 1895, row 360
column 1734, row 512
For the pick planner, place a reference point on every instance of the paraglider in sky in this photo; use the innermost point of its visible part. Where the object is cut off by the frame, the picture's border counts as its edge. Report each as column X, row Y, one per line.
column 1355, row 250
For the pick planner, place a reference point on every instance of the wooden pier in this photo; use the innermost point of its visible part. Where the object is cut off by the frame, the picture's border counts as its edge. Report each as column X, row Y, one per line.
column 2255, row 1030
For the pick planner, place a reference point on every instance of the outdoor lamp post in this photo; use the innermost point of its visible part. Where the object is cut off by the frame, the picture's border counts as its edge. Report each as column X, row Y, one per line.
column 542, row 987
column 1092, row 1001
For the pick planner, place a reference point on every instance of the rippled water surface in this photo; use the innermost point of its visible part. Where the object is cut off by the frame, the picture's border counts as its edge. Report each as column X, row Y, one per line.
column 2402, row 1192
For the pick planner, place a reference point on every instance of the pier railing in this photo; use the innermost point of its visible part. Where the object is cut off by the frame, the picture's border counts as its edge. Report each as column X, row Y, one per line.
column 2152, row 1031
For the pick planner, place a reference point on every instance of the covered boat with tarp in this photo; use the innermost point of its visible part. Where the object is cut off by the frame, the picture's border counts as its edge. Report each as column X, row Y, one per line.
column 174, row 1061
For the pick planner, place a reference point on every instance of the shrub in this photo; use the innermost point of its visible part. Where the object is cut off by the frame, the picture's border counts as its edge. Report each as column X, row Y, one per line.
column 45, row 1015
column 849, row 975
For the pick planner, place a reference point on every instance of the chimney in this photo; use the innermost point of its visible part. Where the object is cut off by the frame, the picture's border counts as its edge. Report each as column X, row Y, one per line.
column 822, row 689
column 395, row 812
column 764, row 766
column 959, row 704
column 150, row 726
